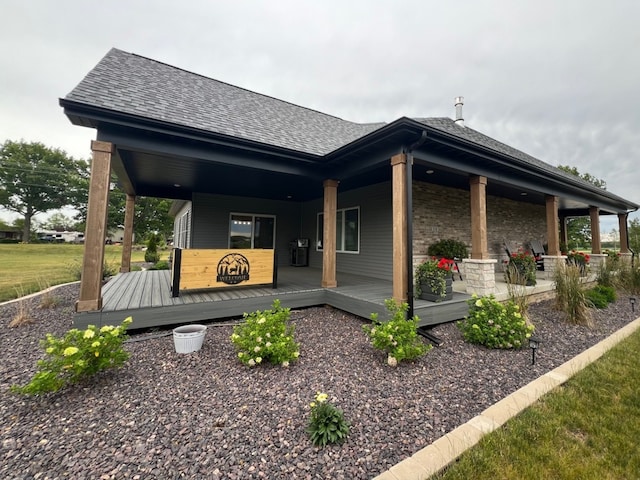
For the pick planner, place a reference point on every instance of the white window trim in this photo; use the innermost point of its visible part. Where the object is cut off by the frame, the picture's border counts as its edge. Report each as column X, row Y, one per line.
column 253, row 224
column 341, row 246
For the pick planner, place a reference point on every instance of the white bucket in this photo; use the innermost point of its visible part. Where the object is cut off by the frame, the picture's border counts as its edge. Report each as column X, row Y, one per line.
column 189, row 338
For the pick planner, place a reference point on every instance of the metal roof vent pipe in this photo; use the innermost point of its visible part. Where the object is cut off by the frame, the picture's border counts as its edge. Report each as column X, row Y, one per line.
column 459, row 120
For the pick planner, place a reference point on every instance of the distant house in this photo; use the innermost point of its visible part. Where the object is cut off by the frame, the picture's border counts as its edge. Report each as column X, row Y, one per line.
column 13, row 234
column 249, row 170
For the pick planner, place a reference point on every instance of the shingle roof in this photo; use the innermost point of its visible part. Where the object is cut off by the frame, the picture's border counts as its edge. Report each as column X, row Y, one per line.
column 139, row 86
column 447, row 125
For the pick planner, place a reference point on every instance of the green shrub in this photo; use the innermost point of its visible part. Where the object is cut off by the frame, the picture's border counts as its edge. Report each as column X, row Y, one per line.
column 109, row 269
column 601, row 296
column 151, row 254
column 570, row 295
column 495, row 325
column 326, row 423
column 448, row 248
column 595, row 299
column 609, row 293
column 397, row 336
column 266, row 336
column 78, row 355
column 161, row 265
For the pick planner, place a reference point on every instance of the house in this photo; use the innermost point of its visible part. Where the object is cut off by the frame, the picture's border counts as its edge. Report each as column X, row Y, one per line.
column 10, row 234
column 249, row 170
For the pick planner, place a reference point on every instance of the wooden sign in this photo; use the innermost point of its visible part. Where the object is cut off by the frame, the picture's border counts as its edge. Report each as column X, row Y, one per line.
column 195, row 269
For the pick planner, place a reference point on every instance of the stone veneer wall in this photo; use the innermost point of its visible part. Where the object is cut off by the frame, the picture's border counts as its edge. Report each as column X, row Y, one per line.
column 443, row 212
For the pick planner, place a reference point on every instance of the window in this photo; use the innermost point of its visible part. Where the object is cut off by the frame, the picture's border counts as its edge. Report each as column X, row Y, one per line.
column 252, row 231
column 347, row 230
column 182, row 234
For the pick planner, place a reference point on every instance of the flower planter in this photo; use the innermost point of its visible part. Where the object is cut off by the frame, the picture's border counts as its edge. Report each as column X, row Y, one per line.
column 189, row 338
column 427, row 293
column 523, row 274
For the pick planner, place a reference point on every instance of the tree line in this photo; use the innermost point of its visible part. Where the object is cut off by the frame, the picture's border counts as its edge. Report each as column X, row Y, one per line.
column 36, row 179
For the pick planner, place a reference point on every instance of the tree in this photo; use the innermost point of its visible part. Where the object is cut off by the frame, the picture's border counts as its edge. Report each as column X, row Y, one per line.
column 150, row 214
column 35, row 179
column 59, row 222
column 579, row 228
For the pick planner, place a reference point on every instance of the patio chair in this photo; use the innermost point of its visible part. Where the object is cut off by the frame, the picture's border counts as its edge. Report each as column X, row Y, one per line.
column 537, row 249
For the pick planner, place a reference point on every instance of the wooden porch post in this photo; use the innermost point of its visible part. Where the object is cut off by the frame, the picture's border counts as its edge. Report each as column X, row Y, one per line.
column 624, row 241
column 478, row 191
column 399, row 202
column 564, row 237
column 125, row 266
column 329, row 235
column 94, row 237
column 596, row 246
column 553, row 244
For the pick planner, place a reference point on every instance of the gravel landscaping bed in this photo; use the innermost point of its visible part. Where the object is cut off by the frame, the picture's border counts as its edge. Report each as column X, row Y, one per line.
column 205, row 415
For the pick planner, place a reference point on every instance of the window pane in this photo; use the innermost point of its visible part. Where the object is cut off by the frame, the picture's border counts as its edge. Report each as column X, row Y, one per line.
column 240, row 231
column 263, row 232
column 339, row 246
column 351, row 228
column 320, row 230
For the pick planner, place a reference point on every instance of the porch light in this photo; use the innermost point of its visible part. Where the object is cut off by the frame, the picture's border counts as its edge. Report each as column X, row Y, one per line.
column 632, row 301
column 430, row 172
column 524, row 194
column 177, row 185
column 534, row 343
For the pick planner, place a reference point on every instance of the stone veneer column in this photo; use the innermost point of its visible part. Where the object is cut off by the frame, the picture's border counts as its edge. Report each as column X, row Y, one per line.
column 480, row 275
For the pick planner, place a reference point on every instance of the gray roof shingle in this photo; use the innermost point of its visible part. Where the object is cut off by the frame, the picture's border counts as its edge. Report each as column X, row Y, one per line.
column 139, row 86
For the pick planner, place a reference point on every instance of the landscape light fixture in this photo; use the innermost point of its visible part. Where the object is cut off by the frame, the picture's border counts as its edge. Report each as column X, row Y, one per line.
column 534, row 343
column 632, row 301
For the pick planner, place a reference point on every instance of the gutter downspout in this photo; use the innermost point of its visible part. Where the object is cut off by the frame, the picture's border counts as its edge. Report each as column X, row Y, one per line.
column 409, row 193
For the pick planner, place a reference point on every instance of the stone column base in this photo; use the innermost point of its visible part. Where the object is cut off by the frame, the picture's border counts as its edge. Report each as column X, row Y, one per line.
column 597, row 261
column 480, row 276
column 551, row 263
column 625, row 258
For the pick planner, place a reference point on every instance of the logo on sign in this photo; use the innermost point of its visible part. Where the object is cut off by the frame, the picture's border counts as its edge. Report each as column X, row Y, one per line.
column 233, row 268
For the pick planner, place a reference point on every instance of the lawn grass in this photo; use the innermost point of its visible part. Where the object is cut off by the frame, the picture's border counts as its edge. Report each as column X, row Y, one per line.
column 586, row 429
column 28, row 268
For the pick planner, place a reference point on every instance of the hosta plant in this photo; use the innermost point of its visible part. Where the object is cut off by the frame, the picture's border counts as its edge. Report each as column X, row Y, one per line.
column 398, row 337
column 266, row 336
column 78, row 355
column 326, row 423
column 495, row 325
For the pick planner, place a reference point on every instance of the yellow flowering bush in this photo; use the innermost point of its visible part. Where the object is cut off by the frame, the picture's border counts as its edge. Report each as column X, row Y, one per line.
column 77, row 355
column 326, row 423
column 266, row 336
column 495, row 325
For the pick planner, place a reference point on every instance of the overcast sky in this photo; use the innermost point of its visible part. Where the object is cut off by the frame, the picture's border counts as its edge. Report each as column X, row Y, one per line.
column 556, row 79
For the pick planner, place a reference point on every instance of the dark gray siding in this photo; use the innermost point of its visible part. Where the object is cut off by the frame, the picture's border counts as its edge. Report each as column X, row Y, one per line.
column 210, row 220
column 376, row 247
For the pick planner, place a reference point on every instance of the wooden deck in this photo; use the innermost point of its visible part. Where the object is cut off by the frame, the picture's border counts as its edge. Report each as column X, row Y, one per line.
column 146, row 297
